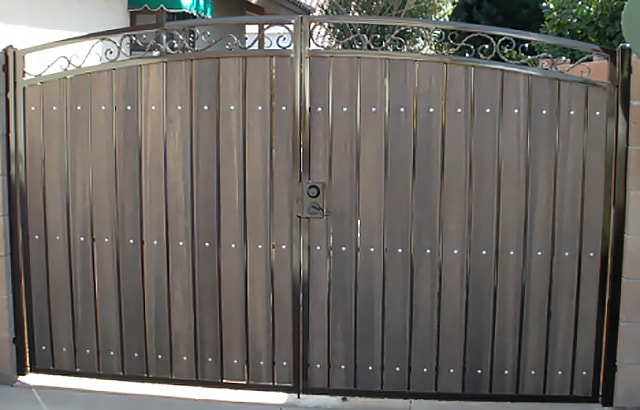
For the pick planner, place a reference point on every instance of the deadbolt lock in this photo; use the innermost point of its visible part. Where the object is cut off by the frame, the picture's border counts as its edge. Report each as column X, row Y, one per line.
column 312, row 200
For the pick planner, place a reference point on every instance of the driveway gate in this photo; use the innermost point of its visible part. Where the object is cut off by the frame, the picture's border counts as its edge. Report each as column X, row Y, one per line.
column 363, row 206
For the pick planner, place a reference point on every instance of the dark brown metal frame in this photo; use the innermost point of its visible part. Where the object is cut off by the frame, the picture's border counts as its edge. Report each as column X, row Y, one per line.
column 301, row 52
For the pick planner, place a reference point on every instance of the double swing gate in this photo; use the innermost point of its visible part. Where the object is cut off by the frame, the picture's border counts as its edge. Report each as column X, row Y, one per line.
column 348, row 205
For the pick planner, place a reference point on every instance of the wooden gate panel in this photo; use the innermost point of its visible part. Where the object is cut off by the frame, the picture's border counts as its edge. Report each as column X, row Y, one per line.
column 455, row 218
column 485, row 147
column 342, row 203
column 568, row 219
column 179, row 218
column 206, row 218
column 594, row 201
column 371, row 214
column 38, row 266
column 128, row 182
column 397, row 225
column 104, row 222
column 512, row 218
column 428, row 163
column 81, row 246
column 56, row 214
column 319, row 129
column 258, row 214
column 232, row 224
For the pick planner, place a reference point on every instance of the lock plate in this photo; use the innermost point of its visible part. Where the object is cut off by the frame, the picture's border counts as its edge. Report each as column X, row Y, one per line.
column 311, row 203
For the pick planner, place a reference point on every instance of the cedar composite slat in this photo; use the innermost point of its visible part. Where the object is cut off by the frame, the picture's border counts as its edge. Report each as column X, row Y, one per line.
column 542, row 154
column 592, row 224
column 567, row 238
column 206, row 217
column 155, row 250
column 127, row 140
column 179, row 219
column 454, row 220
column 371, row 214
column 38, row 273
column 79, row 164
column 56, row 191
column 482, row 254
column 318, row 286
column 232, row 214
column 103, row 201
column 397, row 225
column 426, row 226
column 258, row 212
column 343, row 220
column 283, row 218
column 512, row 219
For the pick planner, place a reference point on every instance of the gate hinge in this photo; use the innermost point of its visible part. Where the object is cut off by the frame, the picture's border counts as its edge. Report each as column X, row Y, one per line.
column 311, row 200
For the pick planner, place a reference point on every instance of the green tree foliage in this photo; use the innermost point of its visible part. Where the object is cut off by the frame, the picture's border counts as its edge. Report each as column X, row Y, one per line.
column 593, row 21
column 427, row 9
column 516, row 14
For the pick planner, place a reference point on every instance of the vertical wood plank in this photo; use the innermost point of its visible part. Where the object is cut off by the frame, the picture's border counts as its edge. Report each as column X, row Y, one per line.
column 426, row 225
column 513, row 207
column 206, row 217
column 342, row 205
column 282, row 218
column 371, row 215
column 56, row 191
column 103, row 202
column 542, row 156
column 232, row 210
column 38, row 274
column 454, row 229
column 592, row 224
column 155, row 250
column 566, row 237
column 319, row 131
column 179, row 219
column 79, row 163
column 482, row 253
column 126, row 84
column 397, row 225
column 258, row 212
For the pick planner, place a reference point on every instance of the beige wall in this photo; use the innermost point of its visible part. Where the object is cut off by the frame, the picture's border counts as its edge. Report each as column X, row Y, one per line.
column 627, row 389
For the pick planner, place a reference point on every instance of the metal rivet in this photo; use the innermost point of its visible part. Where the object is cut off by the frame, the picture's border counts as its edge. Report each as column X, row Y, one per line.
column 284, row 108
column 259, row 107
column 428, row 250
column 479, row 371
column 343, row 249
column 57, row 238
column 235, row 361
column 598, row 113
column 459, row 110
column 484, row 252
column 397, row 368
column 44, row 347
column 207, row 244
column 506, row 371
column 37, row 236
column 431, row 109
column 451, row 371
column 488, row 110
column 533, row 372
column 401, row 109
column 566, row 254
column 233, row 245
column 345, row 109
column 370, row 367
column 128, row 108
column 131, row 241
column 64, row 349
column 374, row 109
column 372, row 249
column 55, row 108
column 153, row 108
column 112, row 353
column 209, row 359
column 317, row 365
column 284, row 363
column 591, row 254
column 184, row 358
column 87, row 351
column 232, row 107
column 136, row 354
column 33, row 108
column 261, row 363
column 179, row 107
column 103, row 107
column 82, row 239
column 180, row 243
column 319, row 109
column 260, row 246
column 516, row 110
column 206, row 108
column 539, row 253
column 318, row 247
column 343, row 366
column 559, row 371
column 399, row 250
column 159, row 357
column 456, row 251
column 424, row 370
column 106, row 239
column 79, row 108
column 544, row 112
column 512, row 253
column 584, row 372
column 284, row 246
column 571, row 112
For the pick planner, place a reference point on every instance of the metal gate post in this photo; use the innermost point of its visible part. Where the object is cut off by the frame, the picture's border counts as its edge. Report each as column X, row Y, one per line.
column 616, row 240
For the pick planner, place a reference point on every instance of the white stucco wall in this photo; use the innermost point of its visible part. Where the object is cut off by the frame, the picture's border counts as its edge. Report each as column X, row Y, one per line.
column 24, row 23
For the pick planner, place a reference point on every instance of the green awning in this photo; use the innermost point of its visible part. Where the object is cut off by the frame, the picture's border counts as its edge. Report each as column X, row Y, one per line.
column 200, row 8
